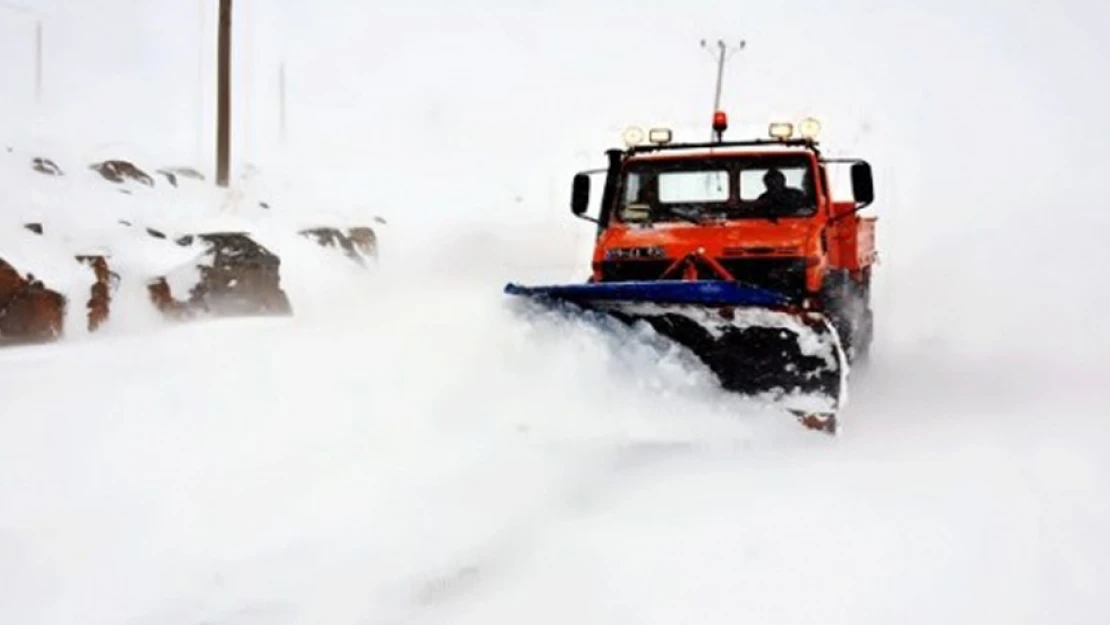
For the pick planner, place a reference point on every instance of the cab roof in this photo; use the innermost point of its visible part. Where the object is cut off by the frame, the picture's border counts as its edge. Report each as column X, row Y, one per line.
column 755, row 147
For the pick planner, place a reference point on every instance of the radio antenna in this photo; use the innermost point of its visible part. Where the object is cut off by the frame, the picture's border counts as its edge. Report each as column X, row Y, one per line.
column 721, row 52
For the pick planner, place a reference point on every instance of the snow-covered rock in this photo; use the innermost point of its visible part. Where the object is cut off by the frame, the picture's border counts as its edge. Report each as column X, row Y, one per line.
column 74, row 234
column 28, row 310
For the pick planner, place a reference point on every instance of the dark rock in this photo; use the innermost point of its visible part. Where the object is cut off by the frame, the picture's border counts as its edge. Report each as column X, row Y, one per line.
column 100, row 295
column 332, row 237
column 29, row 312
column 169, row 176
column 36, row 227
column 244, row 277
column 163, row 300
column 118, row 171
column 365, row 240
column 241, row 277
column 46, row 166
column 359, row 243
column 182, row 172
column 154, row 233
column 11, row 283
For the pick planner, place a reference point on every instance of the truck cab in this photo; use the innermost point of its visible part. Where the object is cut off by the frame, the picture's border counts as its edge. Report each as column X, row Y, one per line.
column 760, row 212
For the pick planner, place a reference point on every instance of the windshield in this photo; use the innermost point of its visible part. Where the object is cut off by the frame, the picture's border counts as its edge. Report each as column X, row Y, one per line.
column 748, row 187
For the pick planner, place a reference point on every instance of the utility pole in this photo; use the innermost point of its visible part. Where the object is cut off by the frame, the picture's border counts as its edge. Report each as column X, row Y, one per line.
column 223, row 106
column 721, row 54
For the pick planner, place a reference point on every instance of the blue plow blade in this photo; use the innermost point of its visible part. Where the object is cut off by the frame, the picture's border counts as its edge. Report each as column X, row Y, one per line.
column 750, row 359
column 696, row 292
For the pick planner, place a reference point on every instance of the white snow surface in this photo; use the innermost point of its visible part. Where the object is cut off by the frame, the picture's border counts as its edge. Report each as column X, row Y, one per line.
column 408, row 448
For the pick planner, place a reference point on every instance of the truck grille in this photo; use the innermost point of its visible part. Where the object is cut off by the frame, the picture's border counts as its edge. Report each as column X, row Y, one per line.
column 629, row 270
column 782, row 275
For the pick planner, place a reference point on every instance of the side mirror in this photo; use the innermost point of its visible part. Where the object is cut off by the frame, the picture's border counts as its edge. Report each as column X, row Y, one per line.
column 580, row 195
column 863, row 186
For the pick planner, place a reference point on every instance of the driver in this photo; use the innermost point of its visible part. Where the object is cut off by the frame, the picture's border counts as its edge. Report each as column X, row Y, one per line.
column 779, row 198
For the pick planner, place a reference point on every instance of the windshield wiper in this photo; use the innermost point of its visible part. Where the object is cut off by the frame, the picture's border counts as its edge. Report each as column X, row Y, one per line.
column 675, row 212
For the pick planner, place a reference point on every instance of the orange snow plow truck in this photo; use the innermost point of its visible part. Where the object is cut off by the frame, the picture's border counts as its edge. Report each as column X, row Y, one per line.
column 738, row 251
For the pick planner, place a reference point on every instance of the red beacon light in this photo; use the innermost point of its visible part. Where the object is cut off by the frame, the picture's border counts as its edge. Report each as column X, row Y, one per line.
column 720, row 123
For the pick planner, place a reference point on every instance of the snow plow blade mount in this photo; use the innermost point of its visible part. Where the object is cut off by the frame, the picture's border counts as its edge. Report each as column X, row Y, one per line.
column 751, row 338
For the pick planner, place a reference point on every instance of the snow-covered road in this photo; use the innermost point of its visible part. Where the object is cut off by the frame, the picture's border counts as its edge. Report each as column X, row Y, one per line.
column 427, row 455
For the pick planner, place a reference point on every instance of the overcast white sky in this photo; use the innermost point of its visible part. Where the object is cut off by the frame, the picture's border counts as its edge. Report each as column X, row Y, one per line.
column 447, row 108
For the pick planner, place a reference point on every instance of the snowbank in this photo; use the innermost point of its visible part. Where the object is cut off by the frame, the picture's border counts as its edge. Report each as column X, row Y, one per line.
column 161, row 230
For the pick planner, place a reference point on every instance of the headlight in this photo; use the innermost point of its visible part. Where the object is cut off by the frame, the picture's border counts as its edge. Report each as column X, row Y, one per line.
column 660, row 136
column 633, row 136
column 781, row 130
column 809, row 128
